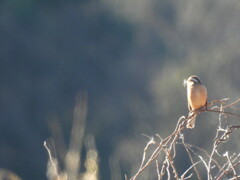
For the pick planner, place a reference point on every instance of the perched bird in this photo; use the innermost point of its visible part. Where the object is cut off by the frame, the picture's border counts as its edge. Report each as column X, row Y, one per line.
column 196, row 96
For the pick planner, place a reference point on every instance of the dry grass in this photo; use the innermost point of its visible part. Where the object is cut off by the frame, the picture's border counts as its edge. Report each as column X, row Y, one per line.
column 72, row 157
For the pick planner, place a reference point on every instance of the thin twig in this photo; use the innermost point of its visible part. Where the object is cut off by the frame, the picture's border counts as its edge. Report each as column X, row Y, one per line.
column 192, row 166
column 230, row 163
column 223, row 112
column 158, row 173
column 179, row 127
column 190, row 156
column 52, row 160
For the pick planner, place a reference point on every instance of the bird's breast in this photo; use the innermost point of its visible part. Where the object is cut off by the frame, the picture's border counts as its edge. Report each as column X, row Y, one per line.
column 197, row 96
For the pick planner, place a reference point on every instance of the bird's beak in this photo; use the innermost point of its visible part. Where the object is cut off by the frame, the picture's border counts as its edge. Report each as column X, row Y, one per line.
column 184, row 82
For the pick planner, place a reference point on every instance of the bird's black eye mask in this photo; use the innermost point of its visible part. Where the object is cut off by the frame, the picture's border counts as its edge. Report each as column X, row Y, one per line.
column 195, row 80
column 192, row 79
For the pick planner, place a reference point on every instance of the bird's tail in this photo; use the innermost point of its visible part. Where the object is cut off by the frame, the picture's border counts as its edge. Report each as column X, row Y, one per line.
column 191, row 121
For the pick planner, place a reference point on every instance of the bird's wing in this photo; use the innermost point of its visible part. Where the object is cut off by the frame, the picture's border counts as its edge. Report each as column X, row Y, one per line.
column 189, row 107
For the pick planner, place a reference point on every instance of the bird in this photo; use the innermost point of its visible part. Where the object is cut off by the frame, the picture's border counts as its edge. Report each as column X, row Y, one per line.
column 196, row 97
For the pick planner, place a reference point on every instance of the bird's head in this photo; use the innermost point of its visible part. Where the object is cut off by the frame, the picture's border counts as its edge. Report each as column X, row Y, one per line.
column 192, row 80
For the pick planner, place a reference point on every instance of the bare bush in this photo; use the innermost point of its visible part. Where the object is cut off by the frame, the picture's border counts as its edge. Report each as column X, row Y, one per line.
column 220, row 162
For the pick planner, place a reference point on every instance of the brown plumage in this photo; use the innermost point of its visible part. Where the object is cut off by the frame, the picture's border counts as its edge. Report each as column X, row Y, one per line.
column 196, row 96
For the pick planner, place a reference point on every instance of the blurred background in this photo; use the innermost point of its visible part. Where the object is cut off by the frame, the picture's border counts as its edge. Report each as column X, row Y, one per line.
column 129, row 56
